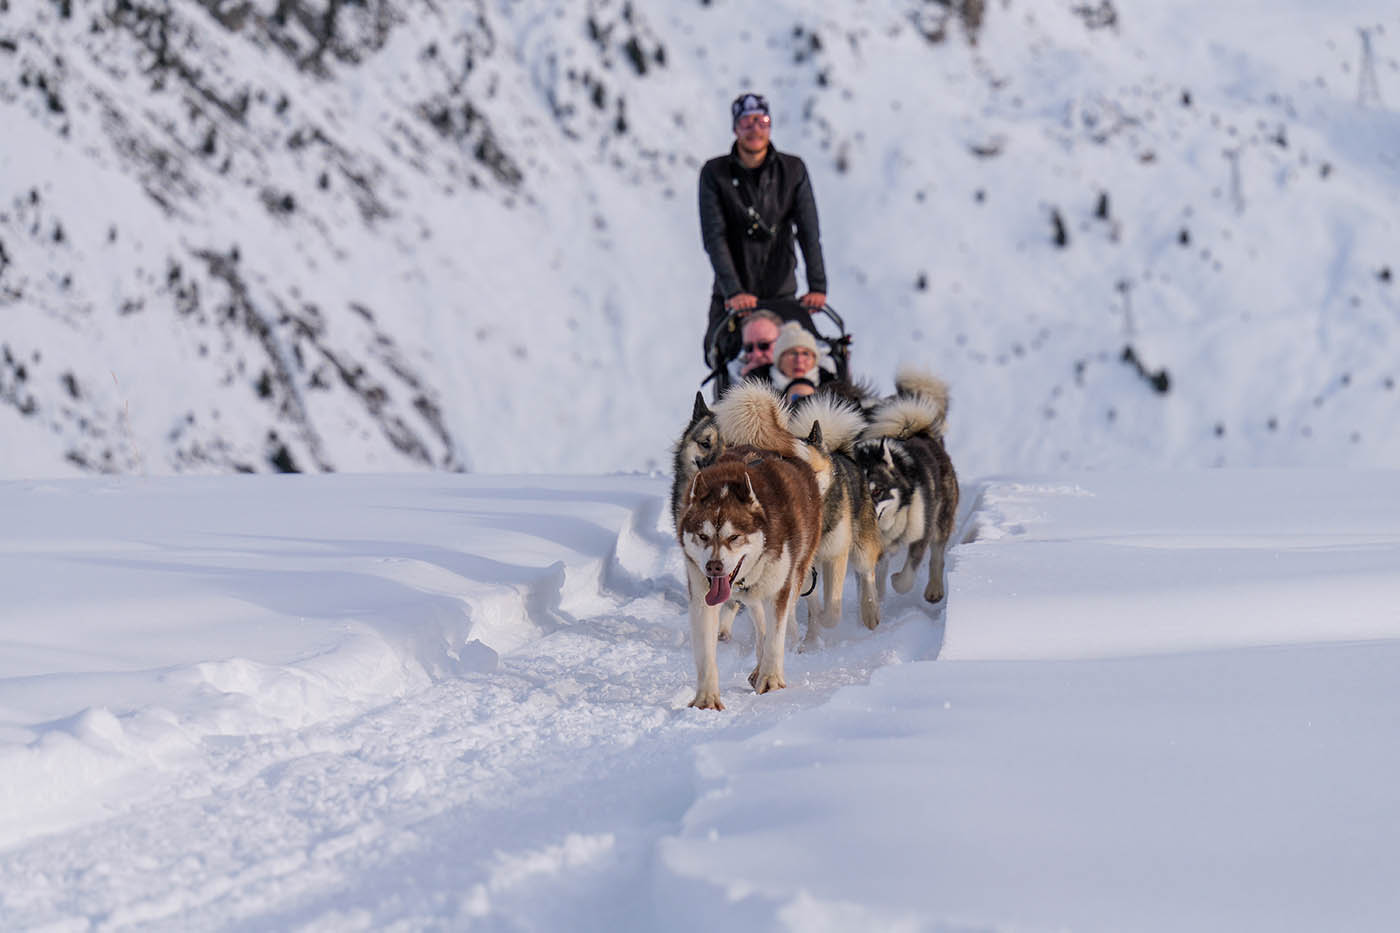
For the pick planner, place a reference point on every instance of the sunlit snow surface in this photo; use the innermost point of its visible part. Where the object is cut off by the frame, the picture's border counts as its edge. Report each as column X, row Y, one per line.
column 1163, row 702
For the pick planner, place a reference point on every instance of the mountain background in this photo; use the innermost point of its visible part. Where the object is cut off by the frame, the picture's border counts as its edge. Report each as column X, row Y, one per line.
column 259, row 235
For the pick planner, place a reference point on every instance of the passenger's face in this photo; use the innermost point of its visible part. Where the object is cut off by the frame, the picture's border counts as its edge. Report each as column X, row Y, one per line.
column 797, row 362
column 759, row 335
column 798, row 390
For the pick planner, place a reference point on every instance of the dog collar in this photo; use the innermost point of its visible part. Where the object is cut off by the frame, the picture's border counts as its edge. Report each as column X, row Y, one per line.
column 740, row 583
column 735, row 572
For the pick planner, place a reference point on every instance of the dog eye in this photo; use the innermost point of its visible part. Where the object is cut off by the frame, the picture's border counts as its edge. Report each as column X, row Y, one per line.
column 703, row 444
column 703, row 539
column 731, row 539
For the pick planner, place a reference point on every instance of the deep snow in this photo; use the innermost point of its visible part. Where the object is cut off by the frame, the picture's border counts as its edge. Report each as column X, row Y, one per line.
column 1153, row 701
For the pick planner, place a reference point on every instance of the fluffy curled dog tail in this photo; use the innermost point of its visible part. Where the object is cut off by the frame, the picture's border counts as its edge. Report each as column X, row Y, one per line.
column 911, row 381
column 842, row 421
column 903, row 417
column 753, row 413
column 920, row 406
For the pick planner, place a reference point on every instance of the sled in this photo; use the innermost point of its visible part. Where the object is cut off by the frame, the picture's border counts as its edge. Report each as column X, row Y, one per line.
column 725, row 344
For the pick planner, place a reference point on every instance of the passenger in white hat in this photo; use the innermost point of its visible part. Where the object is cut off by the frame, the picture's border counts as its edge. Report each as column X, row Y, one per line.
column 798, row 358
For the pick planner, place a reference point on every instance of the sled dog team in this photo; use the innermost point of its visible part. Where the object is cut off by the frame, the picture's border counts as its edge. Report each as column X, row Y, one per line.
column 765, row 497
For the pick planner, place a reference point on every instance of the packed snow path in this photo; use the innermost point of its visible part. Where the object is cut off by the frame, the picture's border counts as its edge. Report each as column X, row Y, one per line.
column 527, row 794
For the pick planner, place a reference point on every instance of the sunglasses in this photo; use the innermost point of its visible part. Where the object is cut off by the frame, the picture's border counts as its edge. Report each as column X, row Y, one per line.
column 755, row 119
column 762, row 346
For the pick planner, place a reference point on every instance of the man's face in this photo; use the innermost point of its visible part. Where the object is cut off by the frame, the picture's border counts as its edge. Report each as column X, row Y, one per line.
column 759, row 335
column 752, row 132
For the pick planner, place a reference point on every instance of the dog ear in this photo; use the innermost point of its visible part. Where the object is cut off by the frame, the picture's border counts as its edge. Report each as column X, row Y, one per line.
column 814, row 437
column 701, row 409
column 691, row 491
column 753, row 496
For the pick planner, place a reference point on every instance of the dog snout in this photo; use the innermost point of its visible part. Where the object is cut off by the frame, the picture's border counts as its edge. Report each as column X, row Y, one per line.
column 714, row 567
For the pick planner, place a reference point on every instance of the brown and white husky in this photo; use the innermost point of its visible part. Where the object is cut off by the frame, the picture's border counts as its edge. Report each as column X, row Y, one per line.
column 749, row 525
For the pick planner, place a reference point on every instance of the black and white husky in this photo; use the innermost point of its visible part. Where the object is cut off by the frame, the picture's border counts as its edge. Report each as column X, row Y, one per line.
column 911, row 478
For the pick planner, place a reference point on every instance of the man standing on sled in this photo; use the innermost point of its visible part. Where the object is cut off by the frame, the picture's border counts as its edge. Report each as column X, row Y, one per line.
column 752, row 201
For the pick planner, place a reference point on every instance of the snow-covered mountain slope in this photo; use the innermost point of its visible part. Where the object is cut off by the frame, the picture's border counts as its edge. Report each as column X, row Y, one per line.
column 394, row 235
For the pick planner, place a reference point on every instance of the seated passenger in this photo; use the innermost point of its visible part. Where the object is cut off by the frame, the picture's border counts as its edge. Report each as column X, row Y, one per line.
column 798, row 368
column 797, row 389
column 759, row 333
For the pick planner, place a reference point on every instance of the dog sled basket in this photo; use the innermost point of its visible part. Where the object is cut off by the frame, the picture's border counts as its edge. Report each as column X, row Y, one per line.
column 724, row 343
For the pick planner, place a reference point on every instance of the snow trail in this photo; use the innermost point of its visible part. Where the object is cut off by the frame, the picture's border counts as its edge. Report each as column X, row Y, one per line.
column 375, row 819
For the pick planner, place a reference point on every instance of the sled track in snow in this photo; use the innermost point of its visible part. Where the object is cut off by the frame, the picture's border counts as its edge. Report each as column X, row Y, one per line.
column 375, row 819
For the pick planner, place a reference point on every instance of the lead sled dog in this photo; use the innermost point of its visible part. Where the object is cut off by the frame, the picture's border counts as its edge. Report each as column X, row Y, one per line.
column 749, row 524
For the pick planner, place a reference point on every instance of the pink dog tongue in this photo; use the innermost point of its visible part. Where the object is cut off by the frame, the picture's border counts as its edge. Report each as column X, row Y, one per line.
column 719, row 591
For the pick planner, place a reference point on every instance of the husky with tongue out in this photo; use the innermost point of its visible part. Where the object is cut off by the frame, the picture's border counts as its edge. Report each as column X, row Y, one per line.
column 749, row 526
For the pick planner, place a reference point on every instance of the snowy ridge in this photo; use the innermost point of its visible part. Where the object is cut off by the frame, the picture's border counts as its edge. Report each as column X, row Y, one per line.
column 404, row 614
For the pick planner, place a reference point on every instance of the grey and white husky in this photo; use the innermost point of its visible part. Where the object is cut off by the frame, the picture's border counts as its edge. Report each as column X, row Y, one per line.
column 696, row 448
column 850, row 534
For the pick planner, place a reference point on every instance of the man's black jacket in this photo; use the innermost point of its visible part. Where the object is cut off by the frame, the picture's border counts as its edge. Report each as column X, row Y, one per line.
column 780, row 191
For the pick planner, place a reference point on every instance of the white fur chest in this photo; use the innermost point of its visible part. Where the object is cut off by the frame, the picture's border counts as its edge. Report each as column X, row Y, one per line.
column 903, row 522
column 766, row 577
